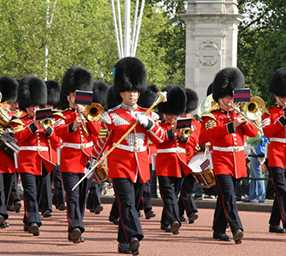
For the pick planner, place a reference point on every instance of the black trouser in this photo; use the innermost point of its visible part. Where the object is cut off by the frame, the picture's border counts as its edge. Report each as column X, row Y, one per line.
column 226, row 209
column 153, row 184
column 45, row 191
column 145, row 202
column 31, row 207
column 168, row 187
column 93, row 198
column 127, row 197
column 114, row 212
column 58, row 193
column 14, row 195
column 75, row 200
column 6, row 180
column 186, row 201
column 3, row 205
column 278, row 212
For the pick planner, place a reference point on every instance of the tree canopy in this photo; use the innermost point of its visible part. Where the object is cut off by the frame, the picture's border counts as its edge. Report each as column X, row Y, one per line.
column 82, row 33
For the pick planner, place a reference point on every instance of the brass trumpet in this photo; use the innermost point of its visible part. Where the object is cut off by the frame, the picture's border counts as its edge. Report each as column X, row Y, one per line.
column 184, row 134
column 253, row 107
column 252, row 110
column 46, row 123
column 4, row 117
column 93, row 112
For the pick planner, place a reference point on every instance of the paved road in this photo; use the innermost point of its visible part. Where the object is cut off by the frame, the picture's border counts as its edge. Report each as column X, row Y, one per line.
column 194, row 239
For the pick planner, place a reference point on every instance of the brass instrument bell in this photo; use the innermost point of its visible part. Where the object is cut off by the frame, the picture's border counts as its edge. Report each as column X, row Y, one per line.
column 46, row 123
column 93, row 112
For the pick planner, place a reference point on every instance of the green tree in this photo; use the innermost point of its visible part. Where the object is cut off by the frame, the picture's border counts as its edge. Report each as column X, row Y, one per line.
column 81, row 33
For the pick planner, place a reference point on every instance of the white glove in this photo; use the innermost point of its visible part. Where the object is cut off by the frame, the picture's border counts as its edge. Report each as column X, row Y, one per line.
column 143, row 120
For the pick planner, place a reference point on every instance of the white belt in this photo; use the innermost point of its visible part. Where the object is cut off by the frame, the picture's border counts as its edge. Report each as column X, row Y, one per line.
column 34, row 148
column 77, row 145
column 132, row 148
column 229, row 149
column 171, row 150
column 281, row 140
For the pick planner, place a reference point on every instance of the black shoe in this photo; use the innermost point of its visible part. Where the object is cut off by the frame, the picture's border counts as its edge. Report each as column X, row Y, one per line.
column 237, row 236
column 2, row 219
column 61, row 207
column 47, row 213
column 276, row 229
column 166, row 228
column 98, row 209
column 175, row 227
column 221, row 236
column 134, row 246
column 114, row 220
column 150, row 214
column 34, row 229
column 194, row 216
column 182, row 218
column 17, row 206
column 4, row 225
column 124, row 248
column 74, row 235
column 26, row 228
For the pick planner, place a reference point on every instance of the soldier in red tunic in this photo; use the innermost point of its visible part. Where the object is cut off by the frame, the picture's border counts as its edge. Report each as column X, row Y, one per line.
column 171, row 161
column 226, row 130
column 34, row 155
column 186, row 201
column 128, row 164
column 8, row 90
column 274, row 121
column 77, row 136
column 58, row 197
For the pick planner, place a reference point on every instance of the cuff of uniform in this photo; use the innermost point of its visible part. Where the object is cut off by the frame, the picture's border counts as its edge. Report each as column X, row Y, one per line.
column 149, row 125
column 33, row 127
column 71, row 128
column 230, row 127
column 171, row 134
column 49, row 131
column 282, row 120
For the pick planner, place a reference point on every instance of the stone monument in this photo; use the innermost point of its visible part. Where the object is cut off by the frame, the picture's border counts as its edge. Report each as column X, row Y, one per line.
column 211, row 41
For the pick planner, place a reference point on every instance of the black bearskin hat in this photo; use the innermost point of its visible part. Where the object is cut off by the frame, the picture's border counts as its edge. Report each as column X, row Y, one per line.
column 32, row 92
column 278, row 83
column 147, row 98
column 176, row 101
column 99, row 92
column 75, row 78
column 8, row 89
column 113, row 98
column 225, row 81
column 192, row 100
column 54, row 92
column 129, row 75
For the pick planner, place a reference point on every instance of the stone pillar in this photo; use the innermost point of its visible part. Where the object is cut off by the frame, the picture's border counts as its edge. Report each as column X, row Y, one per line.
column 211, row 41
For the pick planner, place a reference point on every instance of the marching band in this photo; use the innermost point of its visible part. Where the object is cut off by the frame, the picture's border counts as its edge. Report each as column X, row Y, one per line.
column 84, row 132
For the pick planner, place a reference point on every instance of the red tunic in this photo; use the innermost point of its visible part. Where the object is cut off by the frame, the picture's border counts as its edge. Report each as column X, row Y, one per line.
column 7, row 163
column 130, row 159
column 173, row 156
column 77, row 146
column 34, row 149
column 228, row 155
column 276, row 132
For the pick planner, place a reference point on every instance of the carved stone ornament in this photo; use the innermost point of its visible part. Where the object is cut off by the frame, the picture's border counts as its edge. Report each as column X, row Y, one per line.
column 208, row 53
